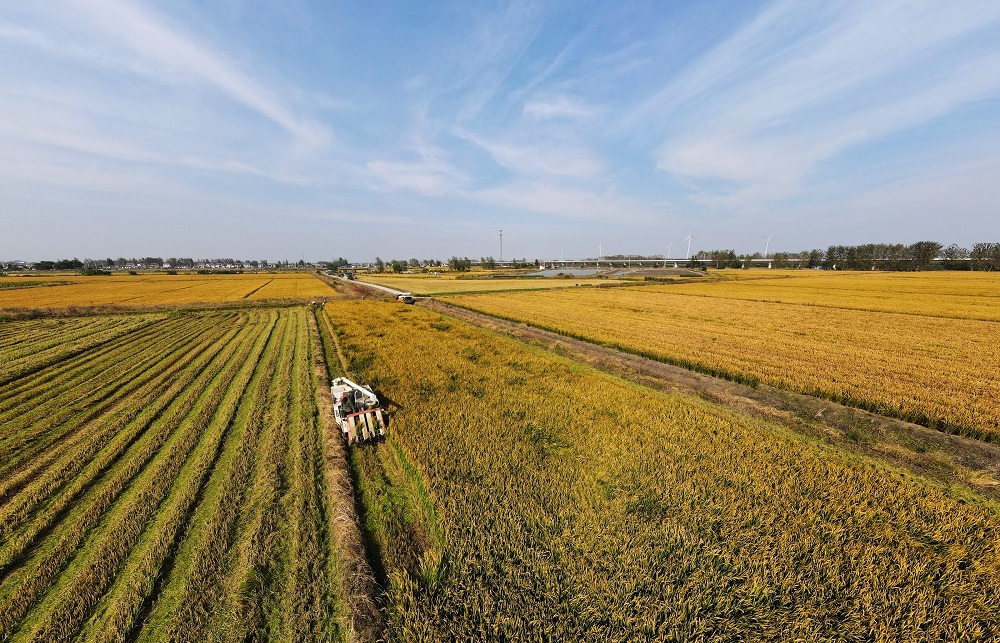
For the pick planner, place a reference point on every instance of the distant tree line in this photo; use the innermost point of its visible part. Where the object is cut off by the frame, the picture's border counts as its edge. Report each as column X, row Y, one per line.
column 923, row 255
column 103, row 266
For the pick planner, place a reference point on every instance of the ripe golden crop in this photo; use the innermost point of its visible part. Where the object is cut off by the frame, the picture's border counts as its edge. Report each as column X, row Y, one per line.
column 962, row 295
column 577, row 506
column 935, row 371
column 421, row 284
column 159, row 290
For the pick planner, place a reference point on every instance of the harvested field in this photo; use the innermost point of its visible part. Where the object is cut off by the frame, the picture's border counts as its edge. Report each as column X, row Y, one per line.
column 165, row 480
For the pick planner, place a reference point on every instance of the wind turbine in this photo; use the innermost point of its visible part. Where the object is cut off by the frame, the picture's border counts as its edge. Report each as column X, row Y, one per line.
column 768, row 243
column 688, row 239
column 600, row 253
column 667, row 258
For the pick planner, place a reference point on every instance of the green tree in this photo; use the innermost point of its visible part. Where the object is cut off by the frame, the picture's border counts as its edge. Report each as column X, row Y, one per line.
column 923, row 253
column 460, row 265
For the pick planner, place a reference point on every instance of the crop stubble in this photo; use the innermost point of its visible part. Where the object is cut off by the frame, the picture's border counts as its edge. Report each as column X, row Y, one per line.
column 188, row 503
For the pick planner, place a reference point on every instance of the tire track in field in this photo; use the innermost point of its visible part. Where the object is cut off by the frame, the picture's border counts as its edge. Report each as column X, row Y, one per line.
column 350, row 571
column 246, row 296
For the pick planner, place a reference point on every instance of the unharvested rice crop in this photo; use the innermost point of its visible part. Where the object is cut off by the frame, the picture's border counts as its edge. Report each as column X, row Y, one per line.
column 163, row 479
column 939, row 372
column 961, row 295
column 449, row 284
column 163, row 290
column 547, row 501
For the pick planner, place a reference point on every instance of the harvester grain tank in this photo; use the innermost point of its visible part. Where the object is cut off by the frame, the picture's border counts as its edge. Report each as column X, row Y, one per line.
column 357, row 410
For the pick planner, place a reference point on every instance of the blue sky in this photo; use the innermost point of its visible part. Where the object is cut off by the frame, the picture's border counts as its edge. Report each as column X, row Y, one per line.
column 418, row 129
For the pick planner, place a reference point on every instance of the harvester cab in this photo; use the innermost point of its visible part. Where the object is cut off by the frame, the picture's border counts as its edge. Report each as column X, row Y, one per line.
column 357, row 410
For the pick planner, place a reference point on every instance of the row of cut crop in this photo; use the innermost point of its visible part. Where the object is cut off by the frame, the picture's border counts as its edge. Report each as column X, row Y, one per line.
column 174, row 432
column 57, row 349
column 186, row 603
column 149, row 518
column 55, row 413
column 29, row 337
column 309, row 589
column 87, row 455
column 190, row 502
column 15, row 336
column 80, row 374
column 252, row 605
column 158, row 553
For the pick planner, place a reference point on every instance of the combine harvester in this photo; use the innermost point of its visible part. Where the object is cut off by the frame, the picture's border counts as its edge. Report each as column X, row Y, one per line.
column 357, row 410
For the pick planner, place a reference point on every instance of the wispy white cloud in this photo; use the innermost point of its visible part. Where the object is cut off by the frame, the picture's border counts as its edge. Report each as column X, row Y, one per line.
column 136, row 36
column 558, row 107
column 550, row 155
column 478, row 65
column 790, row 91
column 567, row 202
column 570, row 118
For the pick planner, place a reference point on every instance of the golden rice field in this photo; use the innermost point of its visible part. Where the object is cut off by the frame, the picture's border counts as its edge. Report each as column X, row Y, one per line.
column 936, row 371
column 163, row 290
column 421, row 284
column 968, row 295
column 163, row 479
column 175, row 475
column 522, row 496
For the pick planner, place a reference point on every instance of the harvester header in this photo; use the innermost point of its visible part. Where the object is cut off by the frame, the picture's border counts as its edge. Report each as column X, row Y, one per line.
column 357, row 410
